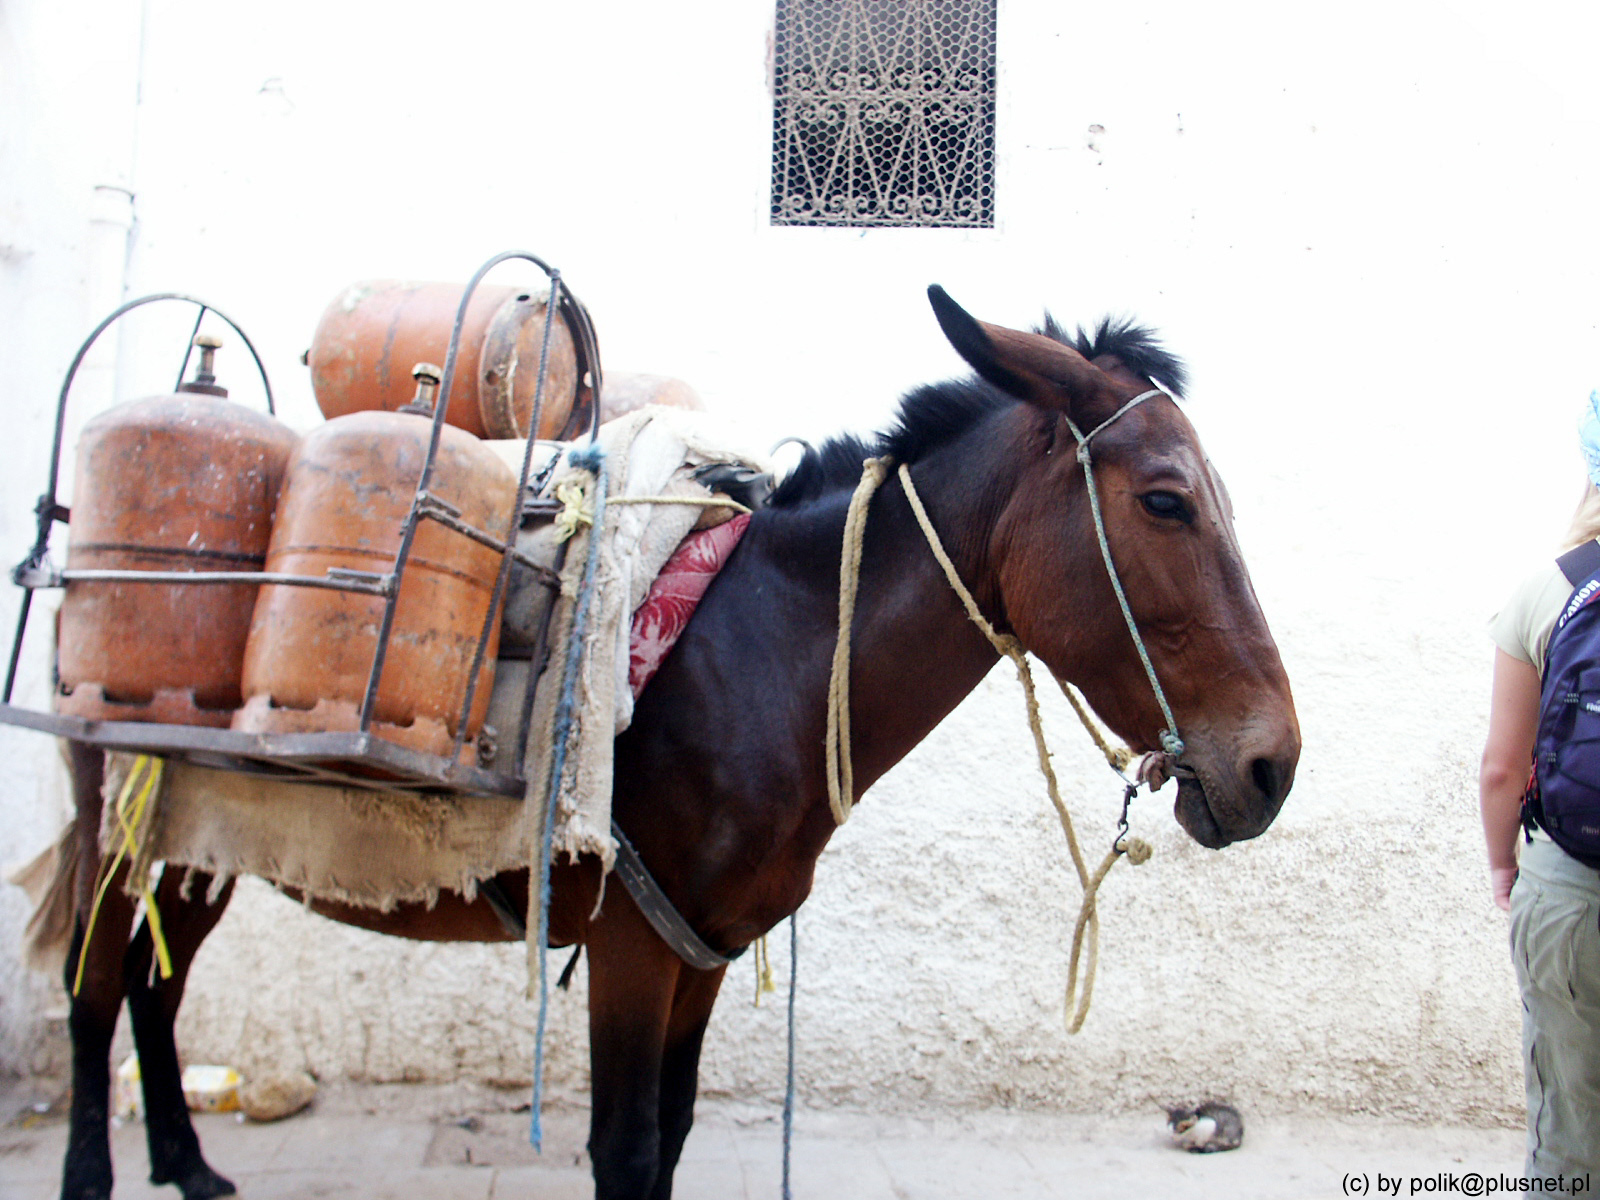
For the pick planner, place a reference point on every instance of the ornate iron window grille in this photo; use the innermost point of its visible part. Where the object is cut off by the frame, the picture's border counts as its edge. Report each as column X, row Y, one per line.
column 884, row 113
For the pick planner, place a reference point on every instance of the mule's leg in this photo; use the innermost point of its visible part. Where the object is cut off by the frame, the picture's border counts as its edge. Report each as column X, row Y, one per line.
column 153, row 1008
column 680, row 1066
column 92, row 1022
column 95, row 1001
column 86, row 1174
column 632, row 978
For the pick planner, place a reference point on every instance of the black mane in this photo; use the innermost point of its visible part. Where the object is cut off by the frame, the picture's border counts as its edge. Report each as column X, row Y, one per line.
column 1138, row 347
column 935, row 413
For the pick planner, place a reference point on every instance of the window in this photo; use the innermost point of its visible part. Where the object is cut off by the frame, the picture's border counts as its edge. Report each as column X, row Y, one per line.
column 883, row 113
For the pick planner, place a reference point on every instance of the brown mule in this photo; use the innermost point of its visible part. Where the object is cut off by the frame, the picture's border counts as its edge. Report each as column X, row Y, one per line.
column 720, row 779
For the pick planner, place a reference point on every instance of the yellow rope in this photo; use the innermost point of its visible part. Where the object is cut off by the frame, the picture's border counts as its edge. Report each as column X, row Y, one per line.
column 573, row 493
column 1138, row 852
column 694, row 501
column 764, row 978
column 1118, row 756
column 130, row 818
column 841, row 781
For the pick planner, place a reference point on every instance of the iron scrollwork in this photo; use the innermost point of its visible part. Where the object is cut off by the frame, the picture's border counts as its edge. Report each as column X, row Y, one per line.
column 884, row 113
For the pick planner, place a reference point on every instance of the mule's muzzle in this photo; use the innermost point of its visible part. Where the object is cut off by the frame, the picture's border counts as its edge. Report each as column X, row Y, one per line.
column 1217, row 812
column 1194, row 814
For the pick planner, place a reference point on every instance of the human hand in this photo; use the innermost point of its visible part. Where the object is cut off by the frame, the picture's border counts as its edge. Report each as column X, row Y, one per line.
column 1501, row 879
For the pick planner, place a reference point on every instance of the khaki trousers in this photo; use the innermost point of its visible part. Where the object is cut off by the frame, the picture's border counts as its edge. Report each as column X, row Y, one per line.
column 1555, row 946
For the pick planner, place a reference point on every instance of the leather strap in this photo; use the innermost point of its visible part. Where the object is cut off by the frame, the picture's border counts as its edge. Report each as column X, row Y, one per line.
column 658, row 910
column 495, row 896
column 1579, row 563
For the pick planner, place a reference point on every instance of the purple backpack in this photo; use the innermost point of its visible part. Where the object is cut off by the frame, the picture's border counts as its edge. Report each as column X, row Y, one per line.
column 1563, row 795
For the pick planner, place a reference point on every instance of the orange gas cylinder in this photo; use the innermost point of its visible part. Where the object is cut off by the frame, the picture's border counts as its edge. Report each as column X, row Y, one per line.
column 185, row 482
column 349, row 487
column 366, row 341
column 626, row 391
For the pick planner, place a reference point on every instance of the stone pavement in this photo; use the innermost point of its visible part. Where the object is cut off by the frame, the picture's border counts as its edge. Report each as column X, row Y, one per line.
column 421, row 1143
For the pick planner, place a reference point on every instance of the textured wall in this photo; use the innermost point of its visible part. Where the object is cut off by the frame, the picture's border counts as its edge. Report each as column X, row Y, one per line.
column 1352, row 968
column 1383, row 292
column 64, row 218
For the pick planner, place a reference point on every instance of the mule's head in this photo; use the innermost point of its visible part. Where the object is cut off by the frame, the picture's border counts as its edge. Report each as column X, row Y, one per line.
column 1170, row 528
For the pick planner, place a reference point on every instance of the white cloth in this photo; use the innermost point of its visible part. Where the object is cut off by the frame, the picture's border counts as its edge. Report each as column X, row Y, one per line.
column 650, row 452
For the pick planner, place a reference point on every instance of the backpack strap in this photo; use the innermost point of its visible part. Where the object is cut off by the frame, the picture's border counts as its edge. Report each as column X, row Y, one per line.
column 1581, row 562
column 1580, row 566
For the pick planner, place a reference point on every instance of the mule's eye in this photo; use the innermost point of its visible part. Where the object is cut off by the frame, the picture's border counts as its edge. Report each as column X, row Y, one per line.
column 1167, row 505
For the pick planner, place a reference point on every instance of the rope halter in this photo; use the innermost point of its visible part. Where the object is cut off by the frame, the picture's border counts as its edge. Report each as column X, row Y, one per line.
column 837, row 767
column 1170, row 741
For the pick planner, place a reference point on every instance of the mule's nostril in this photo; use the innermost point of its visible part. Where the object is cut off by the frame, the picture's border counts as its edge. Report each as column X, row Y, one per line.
column 1265, row 773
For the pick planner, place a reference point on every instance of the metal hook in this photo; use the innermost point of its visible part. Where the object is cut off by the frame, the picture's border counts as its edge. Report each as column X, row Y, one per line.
column 1128, row 794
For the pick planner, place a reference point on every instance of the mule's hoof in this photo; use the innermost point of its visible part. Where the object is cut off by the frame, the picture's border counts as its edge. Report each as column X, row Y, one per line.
column 202, row 1183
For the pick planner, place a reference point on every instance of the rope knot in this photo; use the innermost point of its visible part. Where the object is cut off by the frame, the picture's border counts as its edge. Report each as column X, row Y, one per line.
column 572, row 495
column 1138, row 851
column 1172, row 743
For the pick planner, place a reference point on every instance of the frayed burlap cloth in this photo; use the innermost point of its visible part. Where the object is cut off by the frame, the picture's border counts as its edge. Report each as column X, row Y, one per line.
column 380, row 848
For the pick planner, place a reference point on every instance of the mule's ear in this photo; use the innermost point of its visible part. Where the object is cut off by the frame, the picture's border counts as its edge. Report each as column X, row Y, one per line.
column 970, row 340
column 1029, row 366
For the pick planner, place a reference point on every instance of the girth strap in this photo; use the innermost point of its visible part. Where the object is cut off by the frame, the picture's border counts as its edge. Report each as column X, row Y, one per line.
column 658, row 910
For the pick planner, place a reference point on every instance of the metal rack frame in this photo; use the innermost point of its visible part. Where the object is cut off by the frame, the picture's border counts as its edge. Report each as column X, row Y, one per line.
column 359, row 758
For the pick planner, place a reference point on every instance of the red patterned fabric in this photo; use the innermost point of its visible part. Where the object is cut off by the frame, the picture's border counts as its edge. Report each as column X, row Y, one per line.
column 673, row 597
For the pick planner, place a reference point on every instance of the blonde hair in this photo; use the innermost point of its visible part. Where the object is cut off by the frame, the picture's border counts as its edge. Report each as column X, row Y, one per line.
column 1586, row 521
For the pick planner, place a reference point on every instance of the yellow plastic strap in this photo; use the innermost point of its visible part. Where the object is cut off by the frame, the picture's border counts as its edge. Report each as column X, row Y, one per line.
column 131, row 824
column 130, row 811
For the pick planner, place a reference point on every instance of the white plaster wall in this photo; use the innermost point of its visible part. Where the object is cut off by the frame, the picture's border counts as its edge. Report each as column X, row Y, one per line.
column 67, row 90
column 1369, row 229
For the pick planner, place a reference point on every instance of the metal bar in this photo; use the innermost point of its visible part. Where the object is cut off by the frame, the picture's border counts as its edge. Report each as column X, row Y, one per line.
column 538, row 659
column 337, row 583
column 453, row 521
column 48, row 510
column 94, row 336
column 408, row 530
column 316, row 751
column 544, row 366
column 188, row 346
column 498, row 596
column 546, row 576
column 582, row 326
column 16, row 646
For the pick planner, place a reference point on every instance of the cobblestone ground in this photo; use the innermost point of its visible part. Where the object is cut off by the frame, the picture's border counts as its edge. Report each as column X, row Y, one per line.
column 462, row 1143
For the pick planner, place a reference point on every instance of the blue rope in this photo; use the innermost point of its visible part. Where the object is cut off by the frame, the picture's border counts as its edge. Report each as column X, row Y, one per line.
column 788, row 1097
column 588, row 458
column 1171, row 742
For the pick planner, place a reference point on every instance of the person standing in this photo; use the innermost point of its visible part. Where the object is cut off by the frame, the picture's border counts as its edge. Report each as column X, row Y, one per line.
column 1553, row 897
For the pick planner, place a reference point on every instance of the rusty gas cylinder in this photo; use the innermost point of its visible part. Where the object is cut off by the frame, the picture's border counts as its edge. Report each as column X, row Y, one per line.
column 183, row 482
column 348, row 489
column 625, row 391
column 368, row 338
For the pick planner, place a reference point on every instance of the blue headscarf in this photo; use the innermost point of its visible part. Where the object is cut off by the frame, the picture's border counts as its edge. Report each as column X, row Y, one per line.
column 1589, row 436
